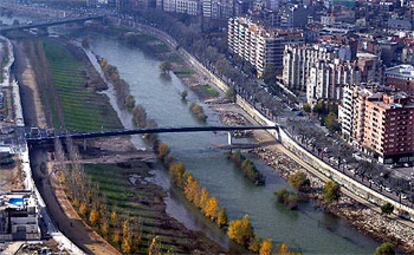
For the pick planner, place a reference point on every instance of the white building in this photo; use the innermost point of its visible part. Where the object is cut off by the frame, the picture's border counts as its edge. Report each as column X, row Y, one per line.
column 260, row 47
column 190, row 7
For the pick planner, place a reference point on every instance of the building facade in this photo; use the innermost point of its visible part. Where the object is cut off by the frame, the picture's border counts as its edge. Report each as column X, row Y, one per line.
column 379, row 122
column 258, row 46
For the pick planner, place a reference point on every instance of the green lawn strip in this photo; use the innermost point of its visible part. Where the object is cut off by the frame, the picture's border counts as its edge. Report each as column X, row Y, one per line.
column 206, row 90
column 83, row 110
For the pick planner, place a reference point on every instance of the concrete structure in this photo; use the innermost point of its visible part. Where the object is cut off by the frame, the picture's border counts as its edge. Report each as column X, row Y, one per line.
column 258, row 46
column 19, row 217
column 401, row 77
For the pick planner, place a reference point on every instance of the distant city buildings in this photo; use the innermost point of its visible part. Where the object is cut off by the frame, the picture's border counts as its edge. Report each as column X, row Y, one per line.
column 259, row 46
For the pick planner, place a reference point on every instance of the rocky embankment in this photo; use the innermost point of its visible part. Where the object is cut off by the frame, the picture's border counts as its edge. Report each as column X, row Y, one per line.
column 366, row 220
column 235, row 119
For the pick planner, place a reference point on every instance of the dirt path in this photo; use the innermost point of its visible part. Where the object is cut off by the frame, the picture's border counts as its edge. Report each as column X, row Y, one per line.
column 27, row 78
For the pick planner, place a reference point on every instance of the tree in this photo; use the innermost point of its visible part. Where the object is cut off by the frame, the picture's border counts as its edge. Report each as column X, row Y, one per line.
column 154, row 248
column 130, row 103
column 331, row 122
column 83, row 209
column 104, row 227
column 241, row 231
column 269, row 76
column 114, row 218
column 307, row 107
column 184, row 95
column 191, row 188
column 126, row 246
column 163, row 151
column 166, row 67
column 385, row 249
column 266, row 247
column 210, row 211
column 116, row 237
column 331, row 191
column 126, row 229
column 299, row 181
column 93, row 217
column 255, row 245
column 203, row 198
column 387, row 208
column 177, row 170
column 222, row 217
column 231, row 94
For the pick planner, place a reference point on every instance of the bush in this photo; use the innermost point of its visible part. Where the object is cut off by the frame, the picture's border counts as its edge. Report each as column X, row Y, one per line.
column 385, row 249
column 289, row 199
column 248, row 167
column 387, row 208
column 198, row 111
column 331, row 191
column 299, row 181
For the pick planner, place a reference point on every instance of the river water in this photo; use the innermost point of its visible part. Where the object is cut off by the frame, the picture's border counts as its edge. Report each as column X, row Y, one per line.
column 307, row 229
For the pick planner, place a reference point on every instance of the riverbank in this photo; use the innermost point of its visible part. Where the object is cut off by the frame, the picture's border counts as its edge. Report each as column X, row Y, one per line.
column 405, row 241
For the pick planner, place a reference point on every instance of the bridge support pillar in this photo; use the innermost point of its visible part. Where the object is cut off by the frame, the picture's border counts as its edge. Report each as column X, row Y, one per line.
column 84, row 144
column 229, row 138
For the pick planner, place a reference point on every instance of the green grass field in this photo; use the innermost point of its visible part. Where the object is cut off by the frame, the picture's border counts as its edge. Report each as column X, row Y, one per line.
column 206, row 91
column 131, row 202
column 83, row 110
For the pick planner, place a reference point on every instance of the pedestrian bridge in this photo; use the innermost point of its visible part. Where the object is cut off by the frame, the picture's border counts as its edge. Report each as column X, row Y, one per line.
column 50, row 23
column 36, row 135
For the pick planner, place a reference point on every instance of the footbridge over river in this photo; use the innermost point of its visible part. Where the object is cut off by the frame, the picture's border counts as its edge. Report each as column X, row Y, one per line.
column 36, row 135
column 50, row 23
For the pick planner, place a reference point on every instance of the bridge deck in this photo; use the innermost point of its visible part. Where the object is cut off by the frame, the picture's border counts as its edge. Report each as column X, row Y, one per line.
column 44, row 136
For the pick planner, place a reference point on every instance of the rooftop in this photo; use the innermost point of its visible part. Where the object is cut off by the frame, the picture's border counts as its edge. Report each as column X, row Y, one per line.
column 401, row 71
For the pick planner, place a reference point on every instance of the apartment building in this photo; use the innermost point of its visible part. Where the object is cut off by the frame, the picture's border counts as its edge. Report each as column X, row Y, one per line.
column 380, row 122
column 217, row 9
column 321, row 70
column 259, row 46
column 190, row 7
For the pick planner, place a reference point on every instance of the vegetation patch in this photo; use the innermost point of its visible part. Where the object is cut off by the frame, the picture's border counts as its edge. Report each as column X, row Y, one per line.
column 198, row 112
column 206, row 91
column 287, row 198
column 247, row 166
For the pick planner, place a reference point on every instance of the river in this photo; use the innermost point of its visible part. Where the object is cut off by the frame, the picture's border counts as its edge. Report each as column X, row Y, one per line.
column 308, row 229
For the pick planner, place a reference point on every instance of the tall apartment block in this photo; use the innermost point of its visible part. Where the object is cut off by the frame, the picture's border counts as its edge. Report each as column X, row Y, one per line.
column 259, row 46
column 379, row 122
column 321, row 70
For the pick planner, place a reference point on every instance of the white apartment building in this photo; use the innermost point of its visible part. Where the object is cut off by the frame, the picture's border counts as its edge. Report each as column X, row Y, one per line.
column 321, row 70
column 260, row 47
column 327, row 79
column 189, row 7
